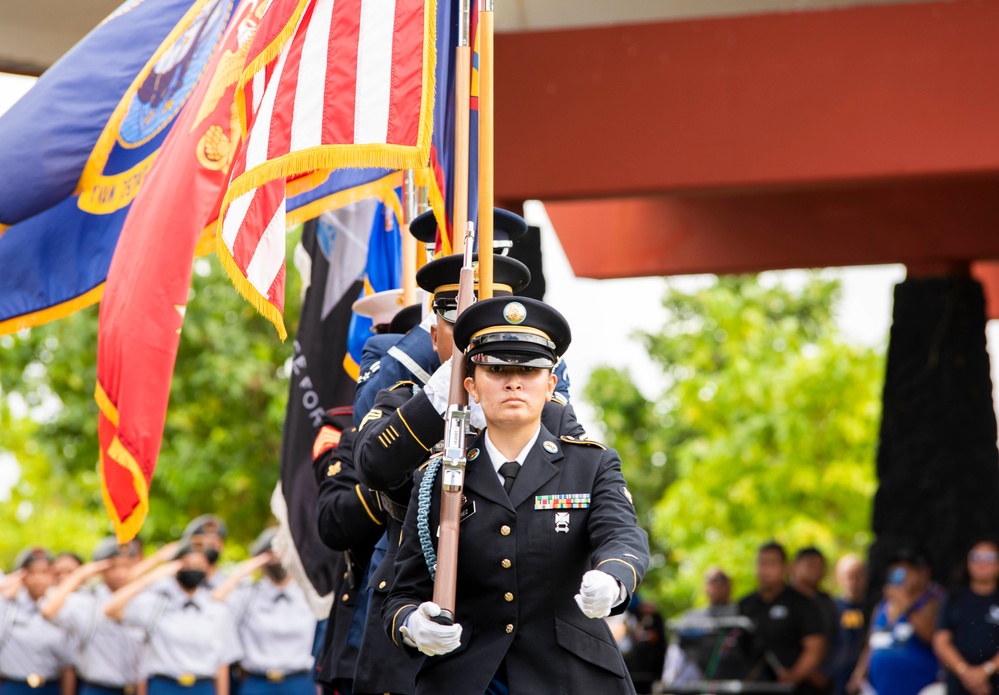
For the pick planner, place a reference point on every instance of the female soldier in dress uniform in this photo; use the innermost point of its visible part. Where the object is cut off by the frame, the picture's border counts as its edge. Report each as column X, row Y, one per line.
column 191, row 637
column 549, row 541
column 33, row 652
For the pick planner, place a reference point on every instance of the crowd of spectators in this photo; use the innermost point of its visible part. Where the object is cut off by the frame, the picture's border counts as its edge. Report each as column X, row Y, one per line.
column 920, row 637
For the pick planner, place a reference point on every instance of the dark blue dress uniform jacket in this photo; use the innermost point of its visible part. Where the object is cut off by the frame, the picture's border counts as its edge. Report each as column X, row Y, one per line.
column 390, row 446
column 517, row 574
column 350, row 520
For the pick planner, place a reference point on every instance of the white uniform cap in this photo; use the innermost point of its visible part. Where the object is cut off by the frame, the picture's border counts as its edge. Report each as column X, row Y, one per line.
column 381, row 307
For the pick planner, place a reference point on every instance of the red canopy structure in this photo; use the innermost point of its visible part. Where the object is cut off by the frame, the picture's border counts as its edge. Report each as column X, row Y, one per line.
column 746, row 143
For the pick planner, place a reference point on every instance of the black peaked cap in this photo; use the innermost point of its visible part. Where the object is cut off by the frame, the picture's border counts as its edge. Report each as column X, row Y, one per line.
column 447, row 271
column 507, row 226
column 407, row 319
column 510, row 326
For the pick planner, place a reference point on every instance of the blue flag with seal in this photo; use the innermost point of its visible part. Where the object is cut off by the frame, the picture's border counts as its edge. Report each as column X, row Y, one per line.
column 77, row 147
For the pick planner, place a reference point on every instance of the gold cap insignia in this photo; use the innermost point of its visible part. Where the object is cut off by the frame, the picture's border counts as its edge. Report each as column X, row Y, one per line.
column 514, row 313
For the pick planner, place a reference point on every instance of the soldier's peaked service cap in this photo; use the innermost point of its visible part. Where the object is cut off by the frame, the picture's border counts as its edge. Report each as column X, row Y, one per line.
column 440, row 277
column 507, row 226
column 512, row 331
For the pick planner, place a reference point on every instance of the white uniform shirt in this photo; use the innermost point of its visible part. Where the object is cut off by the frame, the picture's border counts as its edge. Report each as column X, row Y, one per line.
column 30, row 644
column 276, row 626
column 187, row 635
column 108, row 652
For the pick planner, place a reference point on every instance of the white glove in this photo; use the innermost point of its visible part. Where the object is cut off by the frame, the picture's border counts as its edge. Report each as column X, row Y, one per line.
column 598, row 594
column 438, row 387
column 422, row 632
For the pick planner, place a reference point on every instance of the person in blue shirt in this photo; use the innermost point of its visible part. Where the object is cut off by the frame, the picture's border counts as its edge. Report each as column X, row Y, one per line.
column 898, row 659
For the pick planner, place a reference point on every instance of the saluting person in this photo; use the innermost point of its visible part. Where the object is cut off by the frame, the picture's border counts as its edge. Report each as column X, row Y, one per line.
column 191, row 637
column 34, row 653
column 549, row 540
column 206, row 534
column 275, row 624
column 108, row 654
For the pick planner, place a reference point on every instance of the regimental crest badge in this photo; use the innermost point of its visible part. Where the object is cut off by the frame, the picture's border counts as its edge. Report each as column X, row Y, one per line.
column 550, row 447
column 473, row 454
column 561, row 522
column 514, row 313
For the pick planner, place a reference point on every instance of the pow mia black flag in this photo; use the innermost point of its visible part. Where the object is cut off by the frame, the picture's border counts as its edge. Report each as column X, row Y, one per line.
column 318, row 383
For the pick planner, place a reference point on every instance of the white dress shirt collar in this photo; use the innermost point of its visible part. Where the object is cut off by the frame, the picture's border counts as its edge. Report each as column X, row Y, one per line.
column 498, row 459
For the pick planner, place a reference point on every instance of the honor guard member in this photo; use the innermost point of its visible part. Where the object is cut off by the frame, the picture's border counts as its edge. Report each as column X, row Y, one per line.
column 207, row 534
column 351, row 521
column 276, row 626
column 413, row 358
column 549, row 541
column 401, row 429
column 108, row 654
column 191, row 638
column 34, row 653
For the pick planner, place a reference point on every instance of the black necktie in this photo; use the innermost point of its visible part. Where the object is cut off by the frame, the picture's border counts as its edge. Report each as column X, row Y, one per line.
column 282, row 596
column 191, row 604
column 509, row 471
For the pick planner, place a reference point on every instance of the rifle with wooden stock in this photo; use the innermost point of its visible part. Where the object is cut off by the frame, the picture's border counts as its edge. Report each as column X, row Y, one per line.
column 456, row 429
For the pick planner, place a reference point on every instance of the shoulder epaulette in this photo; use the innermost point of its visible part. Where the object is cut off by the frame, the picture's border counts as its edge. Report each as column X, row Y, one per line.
column 400, row 384
column 575, row 440
column 559, row 398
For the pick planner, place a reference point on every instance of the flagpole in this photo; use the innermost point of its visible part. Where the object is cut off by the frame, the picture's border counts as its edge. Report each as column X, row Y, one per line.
column 486, row 194
column 462, row 99
column 408, row 240
column 422, row 201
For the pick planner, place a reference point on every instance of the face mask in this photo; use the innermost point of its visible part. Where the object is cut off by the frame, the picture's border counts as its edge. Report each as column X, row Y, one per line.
column 190, row 579
column 212, row 555
column 276, row 572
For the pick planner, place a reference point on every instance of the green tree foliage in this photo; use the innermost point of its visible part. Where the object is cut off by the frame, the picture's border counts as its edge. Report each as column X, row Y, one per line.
column 221, row 442
column 766, row 428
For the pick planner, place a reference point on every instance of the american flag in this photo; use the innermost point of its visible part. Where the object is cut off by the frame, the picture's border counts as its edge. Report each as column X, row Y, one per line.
column 327, row 85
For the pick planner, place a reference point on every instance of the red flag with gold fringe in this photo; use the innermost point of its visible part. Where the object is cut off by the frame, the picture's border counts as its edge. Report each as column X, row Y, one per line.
column 147, row 286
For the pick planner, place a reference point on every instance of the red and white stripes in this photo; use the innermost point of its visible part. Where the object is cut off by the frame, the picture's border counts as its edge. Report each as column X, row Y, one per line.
column 352, row 87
